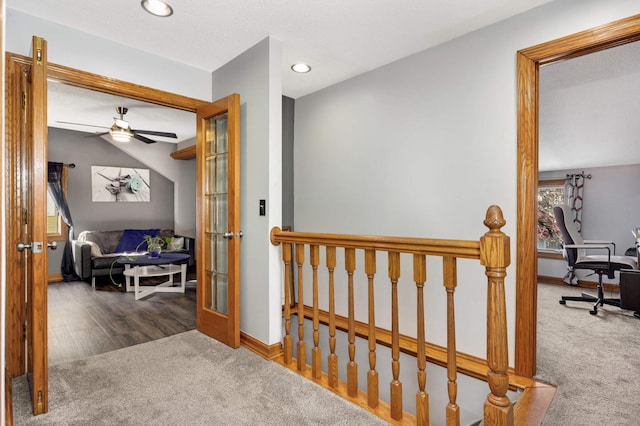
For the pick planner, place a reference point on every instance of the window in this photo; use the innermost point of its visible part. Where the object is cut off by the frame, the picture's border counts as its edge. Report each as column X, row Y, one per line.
column 550, row 194
column 57, row 230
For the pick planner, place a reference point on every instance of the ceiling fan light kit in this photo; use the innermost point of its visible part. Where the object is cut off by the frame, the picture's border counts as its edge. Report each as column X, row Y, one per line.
column 157, row 8
column 120, row 135
column 120, row 130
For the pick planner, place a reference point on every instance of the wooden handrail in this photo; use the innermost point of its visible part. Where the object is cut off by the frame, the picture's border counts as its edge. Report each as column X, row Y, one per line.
column 492, row 250
column 426, row 246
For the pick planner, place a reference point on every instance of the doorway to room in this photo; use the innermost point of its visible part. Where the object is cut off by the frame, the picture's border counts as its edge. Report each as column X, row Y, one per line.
column 16, row 358
column 528, row 62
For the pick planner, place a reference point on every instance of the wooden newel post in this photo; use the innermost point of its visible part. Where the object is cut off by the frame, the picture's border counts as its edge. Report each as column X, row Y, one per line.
column 286, row 259
column 495, row 256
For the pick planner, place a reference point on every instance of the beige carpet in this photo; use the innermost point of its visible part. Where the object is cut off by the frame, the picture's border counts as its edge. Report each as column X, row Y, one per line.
column 594, row 360
column 186, row 379
column 191, row 379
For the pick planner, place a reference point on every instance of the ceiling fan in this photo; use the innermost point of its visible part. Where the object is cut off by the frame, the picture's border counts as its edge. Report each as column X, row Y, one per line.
column 121, row 131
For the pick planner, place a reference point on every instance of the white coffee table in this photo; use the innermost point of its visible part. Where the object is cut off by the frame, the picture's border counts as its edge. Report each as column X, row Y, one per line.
column 138, row 272
column 144, row 267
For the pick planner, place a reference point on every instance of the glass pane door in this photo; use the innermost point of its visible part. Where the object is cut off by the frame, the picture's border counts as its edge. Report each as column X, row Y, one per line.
column 218, row 189
column 216, row 194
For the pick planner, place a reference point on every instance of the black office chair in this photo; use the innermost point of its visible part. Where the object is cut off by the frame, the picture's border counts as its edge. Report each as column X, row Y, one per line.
column 575, row 250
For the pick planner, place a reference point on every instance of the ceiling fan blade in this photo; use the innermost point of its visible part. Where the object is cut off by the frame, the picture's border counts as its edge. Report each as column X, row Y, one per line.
column 154, row 133
column 80, row 124
column 142, row 138
column 93, row 135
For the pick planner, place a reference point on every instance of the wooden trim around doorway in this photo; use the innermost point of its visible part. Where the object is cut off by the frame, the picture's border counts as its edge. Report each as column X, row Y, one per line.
column 528, row 62
column 100, row 83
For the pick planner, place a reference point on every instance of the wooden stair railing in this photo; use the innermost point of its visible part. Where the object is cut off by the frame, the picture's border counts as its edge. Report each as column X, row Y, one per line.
column 492, row 250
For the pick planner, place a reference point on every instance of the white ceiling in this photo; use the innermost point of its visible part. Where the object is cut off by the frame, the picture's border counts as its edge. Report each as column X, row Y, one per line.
column 587, row 103
column 589, row 109
column 338, row 38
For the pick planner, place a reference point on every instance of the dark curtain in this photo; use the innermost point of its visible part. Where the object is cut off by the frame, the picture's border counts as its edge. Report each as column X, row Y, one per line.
column 57, row 193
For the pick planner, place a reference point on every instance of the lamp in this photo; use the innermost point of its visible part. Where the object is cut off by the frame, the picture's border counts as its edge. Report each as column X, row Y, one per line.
column 120, row 135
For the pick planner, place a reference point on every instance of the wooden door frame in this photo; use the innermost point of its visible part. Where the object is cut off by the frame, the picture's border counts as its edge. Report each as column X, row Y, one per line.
column 528, row 63
column 62, row 74
column 5, row 391
column 35, row 183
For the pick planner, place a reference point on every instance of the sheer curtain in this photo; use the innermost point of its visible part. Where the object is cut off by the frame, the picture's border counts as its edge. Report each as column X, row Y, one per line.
column 57, row 194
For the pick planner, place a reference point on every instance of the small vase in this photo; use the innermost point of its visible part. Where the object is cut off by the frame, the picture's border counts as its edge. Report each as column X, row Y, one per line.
column 154, row 250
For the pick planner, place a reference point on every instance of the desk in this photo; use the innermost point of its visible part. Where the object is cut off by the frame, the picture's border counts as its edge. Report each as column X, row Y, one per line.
column 143, row 266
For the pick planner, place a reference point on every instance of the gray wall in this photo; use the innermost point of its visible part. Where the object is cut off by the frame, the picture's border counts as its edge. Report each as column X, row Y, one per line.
column 288, row 119
column 157, row 157
column 185, row 193
column 256, row 76
column 185, row 199
column 610, row 211
column 421, row 147
column 67, row 146
column 76, row 49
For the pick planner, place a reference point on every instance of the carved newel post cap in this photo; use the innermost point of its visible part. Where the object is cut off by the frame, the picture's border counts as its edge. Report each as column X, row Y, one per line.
column 494, row 219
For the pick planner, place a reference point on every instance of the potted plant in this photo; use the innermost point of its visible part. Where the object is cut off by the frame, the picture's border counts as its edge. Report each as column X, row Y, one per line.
column 154, row 247
column 155, row 244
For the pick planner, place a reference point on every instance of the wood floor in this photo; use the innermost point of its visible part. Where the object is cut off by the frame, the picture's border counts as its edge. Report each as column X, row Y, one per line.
column 85, row 322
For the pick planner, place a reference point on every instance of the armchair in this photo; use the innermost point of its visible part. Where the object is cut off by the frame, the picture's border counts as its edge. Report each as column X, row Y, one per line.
column 576, row 248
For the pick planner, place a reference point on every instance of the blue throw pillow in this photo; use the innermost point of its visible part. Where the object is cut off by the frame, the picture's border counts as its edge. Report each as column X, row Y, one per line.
column 133, row 239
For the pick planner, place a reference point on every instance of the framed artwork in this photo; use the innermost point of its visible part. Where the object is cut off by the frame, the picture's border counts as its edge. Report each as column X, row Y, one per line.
column 120, row 184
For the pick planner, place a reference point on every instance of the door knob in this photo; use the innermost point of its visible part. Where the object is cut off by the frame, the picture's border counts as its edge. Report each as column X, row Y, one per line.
column 52, row 245
column 227, row 235
column 35, row 247
column 22, row 246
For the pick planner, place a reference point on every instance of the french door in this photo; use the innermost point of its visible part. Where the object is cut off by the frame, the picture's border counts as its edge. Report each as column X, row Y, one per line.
column 26, row 193
column 219, row 234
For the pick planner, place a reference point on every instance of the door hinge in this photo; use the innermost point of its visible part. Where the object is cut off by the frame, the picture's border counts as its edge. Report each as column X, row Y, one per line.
column 24, row 331
column 39, row 405
column 24, row 100
column 39, row 51
column 25, row 217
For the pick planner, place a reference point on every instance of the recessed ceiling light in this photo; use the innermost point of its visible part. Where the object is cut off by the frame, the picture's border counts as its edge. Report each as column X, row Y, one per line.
column 301, row 68
column 157, row 8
